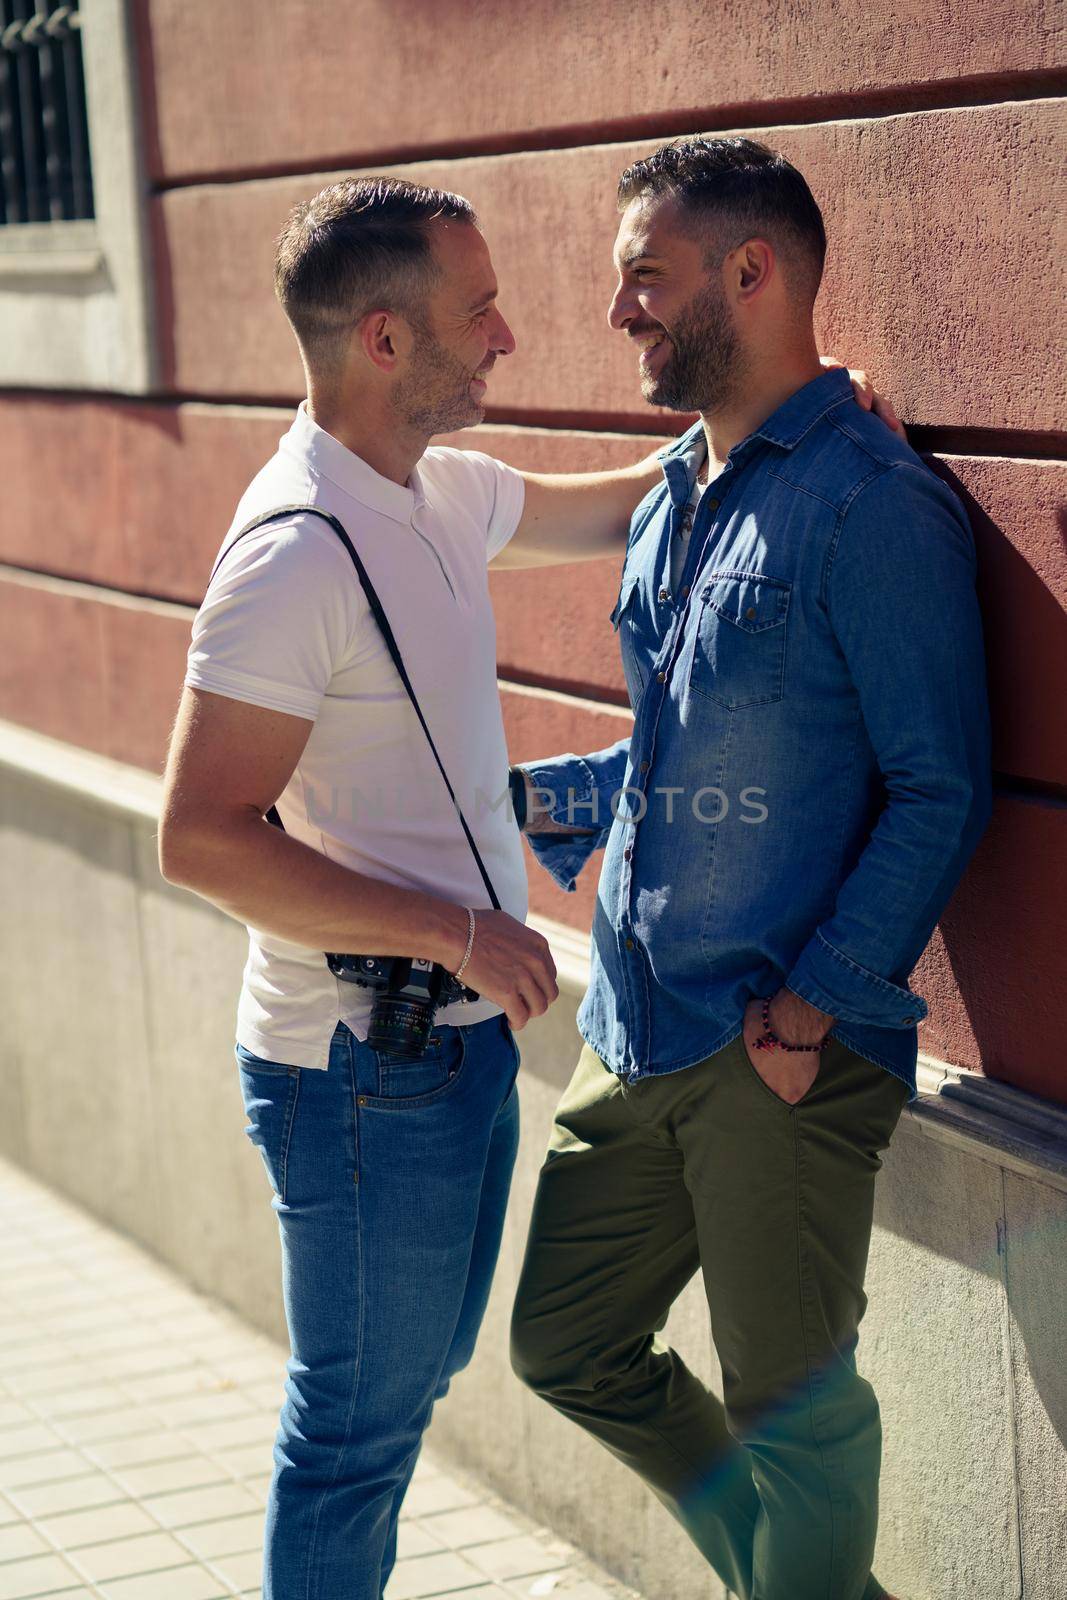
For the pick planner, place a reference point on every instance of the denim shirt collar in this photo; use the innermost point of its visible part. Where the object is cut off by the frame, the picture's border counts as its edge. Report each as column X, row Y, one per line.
column 785, row 428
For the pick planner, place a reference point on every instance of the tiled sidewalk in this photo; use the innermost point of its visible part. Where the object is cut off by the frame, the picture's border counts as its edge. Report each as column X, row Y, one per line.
column 136, row 1423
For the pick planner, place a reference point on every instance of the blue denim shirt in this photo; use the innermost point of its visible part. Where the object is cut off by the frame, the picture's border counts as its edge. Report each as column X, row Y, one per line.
column 809, row 766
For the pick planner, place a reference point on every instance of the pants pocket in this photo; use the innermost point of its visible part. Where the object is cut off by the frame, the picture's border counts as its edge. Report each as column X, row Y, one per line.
column 270, row 1090
column 776, row 1099
column 405, row 1082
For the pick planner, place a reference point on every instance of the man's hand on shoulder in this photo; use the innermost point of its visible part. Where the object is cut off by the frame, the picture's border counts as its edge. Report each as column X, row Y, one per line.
column 868, row 396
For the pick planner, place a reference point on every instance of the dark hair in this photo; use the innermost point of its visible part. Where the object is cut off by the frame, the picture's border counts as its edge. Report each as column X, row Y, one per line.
column 745, row 185
column 358, row 244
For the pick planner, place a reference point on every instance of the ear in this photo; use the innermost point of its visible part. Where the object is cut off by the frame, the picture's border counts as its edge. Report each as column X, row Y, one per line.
column 384, row 339
column 753, row 266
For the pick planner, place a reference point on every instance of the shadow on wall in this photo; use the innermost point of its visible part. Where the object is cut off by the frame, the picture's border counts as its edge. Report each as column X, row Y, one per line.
column 996, row 991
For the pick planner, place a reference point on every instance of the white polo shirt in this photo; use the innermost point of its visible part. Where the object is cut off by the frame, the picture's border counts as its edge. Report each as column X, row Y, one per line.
column 285, row 624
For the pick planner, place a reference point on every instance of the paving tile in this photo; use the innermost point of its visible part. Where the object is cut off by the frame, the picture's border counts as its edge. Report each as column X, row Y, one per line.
column 29, row 1351
column 82, row 1404
column 153, row 1446
column 191, row 1506
column 483, row 1592
column 96, row 1526
column 228, row 1536
column 446, row 1573
column 68, row 1494
column 28, row 1440
column 164, row 1383
column 518, row 1558
column 136, row 1364
column 204, row 1407
column 435, row 1494
column 178, row 1583
column 12, row 1413
column 192, row 1472
column 18, row 1539
column 101, row 1426
column 562, row 1586
column 122, row 1333
column 257, row 1458
column 44, row 1466
column 218, row 1436
column 415, row 1539
column 39, row 1576
column 53, row 1378
column 149, row 1552
column 243, row 1571
column 471, row 1525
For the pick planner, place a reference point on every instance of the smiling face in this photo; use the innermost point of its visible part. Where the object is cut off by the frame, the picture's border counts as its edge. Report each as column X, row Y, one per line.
column 459, row 339
column 674, row 307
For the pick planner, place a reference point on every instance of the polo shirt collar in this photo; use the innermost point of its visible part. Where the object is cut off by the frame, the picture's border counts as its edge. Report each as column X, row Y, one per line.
column 327, row 457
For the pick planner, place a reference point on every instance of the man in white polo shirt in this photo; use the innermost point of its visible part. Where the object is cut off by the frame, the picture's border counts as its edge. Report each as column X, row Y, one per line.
column 389, row 1173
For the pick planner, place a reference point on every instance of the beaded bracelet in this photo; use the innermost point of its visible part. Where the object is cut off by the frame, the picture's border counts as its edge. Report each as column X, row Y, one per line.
column 769, row 1040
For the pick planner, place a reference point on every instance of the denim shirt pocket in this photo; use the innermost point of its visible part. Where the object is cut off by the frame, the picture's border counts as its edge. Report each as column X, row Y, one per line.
column 739, row 647
column 625, row 622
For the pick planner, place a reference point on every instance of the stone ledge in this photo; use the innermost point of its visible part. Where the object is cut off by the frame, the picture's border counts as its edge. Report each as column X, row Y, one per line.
column 994, row 1121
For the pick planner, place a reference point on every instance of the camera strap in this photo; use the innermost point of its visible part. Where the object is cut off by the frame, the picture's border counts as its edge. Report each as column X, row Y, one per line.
column 382, row 620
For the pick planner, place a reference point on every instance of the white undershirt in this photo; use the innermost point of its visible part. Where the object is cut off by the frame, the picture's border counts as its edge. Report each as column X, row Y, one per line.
column 285, row 625
column 683, row 533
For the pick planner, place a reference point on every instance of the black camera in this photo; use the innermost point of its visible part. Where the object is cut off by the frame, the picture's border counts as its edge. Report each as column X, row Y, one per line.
column 407, row 993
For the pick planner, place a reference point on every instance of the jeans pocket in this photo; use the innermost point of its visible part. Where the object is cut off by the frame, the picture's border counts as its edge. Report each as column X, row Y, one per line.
column 269, row 1090
column 410, row 1081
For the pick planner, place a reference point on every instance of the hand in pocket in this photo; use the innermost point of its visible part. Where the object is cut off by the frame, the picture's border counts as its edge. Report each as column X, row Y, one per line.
column 788, row 1074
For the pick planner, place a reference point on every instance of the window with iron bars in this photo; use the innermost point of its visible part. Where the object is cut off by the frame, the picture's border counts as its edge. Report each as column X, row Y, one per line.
column 45, row 172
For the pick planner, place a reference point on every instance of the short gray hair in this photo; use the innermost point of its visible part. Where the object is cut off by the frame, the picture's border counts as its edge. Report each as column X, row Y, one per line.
column 358, row 244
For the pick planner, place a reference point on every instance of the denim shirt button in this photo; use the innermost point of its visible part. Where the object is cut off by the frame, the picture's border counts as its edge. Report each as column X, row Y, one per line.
column 713, row 505
column 628, row 852
column 644, row 766
column 664, row 595
column 629, row 944
column 661, row 677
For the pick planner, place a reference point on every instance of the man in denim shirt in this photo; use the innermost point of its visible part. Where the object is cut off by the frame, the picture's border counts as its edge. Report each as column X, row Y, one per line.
column 807, row 776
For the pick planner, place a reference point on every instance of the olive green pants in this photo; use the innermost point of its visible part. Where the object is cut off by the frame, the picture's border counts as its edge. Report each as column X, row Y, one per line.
column 708, row 1169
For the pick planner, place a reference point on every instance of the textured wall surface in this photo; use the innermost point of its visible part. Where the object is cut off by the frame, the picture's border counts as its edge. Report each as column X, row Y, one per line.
column 932, row 136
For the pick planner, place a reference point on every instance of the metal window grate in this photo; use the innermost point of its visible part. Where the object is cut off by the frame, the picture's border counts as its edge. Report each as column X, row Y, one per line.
column 45, row 175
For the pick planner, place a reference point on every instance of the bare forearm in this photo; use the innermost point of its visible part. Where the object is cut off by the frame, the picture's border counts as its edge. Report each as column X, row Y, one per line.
column 273, row 882
column 578, row 516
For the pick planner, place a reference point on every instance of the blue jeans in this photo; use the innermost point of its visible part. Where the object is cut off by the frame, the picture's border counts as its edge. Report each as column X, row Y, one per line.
column 390, row 1183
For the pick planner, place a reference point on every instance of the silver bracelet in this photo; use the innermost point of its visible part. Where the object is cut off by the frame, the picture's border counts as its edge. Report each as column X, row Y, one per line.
column 470, row 946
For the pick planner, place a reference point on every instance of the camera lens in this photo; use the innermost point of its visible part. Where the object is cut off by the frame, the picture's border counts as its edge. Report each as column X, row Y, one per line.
column 400, row 1027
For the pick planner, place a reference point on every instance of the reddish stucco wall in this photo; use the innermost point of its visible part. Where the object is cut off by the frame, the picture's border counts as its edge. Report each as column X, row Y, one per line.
column 929, row 133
